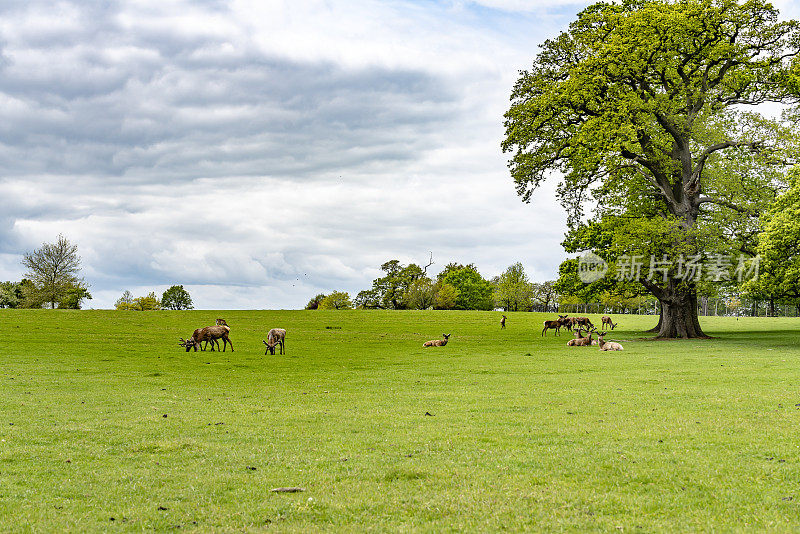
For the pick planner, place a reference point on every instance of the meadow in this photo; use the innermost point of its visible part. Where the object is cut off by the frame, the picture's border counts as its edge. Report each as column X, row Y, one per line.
column 107, row 425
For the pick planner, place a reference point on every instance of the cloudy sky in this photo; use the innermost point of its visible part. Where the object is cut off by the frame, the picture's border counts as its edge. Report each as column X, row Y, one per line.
column 260, row 152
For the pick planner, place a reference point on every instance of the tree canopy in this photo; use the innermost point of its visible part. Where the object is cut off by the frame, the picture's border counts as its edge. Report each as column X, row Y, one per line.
column 474, row 292
column 53, row 271
column 176, row 298
column 779, row 246
column 640, row 107
column 337, row 300
column 512, row 289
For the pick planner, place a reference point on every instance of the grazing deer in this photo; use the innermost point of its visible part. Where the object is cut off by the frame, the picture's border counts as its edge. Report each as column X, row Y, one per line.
column 209, row 333
column 276, row 336
column 607, row 321
column 582, row 322
column 437, row 342
column 553, row 325
column 503, row 322
column 607, row 345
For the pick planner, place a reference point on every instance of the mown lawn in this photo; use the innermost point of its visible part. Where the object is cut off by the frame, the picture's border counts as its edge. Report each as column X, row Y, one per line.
column 106, row 424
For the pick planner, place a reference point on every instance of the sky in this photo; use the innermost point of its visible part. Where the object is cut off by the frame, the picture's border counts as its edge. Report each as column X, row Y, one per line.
column 261, row 152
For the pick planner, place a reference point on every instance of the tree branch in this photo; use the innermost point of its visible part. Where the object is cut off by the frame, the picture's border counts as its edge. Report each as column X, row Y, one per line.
column 701, row 161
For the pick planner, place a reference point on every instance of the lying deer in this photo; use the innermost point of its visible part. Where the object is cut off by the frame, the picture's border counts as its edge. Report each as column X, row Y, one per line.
column 607, row 321
column 580, row 340
column 554, row 325
column 607, row 345
column 276, row 336
column 437, row 342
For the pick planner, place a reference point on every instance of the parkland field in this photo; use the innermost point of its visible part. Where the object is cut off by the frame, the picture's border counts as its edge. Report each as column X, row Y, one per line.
column 108, row 425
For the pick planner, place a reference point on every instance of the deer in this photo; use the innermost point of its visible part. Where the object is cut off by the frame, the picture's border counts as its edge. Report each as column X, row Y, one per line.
column 209, row 333
column 576, row 341
column 218, row 322
column 553, row 325
column 607, row 345
column 580, row 340
column 582, row 322
column 437, row 342
column 276, row 336
column 503, row 322
column 607, row 321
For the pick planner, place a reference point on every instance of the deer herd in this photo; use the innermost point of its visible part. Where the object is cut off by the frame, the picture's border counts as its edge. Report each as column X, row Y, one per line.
column 580, row 324
column 276, row 337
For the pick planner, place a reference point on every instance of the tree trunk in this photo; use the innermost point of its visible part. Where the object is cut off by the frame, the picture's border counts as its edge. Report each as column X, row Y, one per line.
column 678, row 318
column 657, row 328
column 772, row 307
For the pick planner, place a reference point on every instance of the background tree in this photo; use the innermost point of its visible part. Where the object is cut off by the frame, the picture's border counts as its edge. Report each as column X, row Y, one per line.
column 779, row 249
column 53, row 269
column 420, row 294
column 474, row 292
column 73, row 296
column 388, row 291
column 11, row 294
column 512, row 289
column 338, row 300
column 125, row 302
column 368, row 298
column 147, row 303
column 639, row 106
column 176, row 298
column 445, row 297
column 544, row 296
column 313, row 304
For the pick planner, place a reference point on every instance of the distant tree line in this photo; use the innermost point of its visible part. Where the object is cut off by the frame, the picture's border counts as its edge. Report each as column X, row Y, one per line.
column 456, row 287
column 174, row 298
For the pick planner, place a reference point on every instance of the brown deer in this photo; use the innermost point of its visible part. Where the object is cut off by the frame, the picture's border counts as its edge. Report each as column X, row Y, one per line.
column 276, row 336
column 581, row 340
column 575, row 342
column 209, row 333
column 582, row 322
column 607, row 322
column 607, row 345
column 554, row 325
column 437, row 342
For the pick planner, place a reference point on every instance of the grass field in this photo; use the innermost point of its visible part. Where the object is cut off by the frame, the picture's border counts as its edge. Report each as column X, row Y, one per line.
column 106, row 425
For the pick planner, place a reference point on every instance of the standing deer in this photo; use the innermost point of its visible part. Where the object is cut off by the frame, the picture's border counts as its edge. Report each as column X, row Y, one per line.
column 582, row 322
column 209, row 333
column 437, row 342
column 607, row 321
column 276, row 336
column 554, row 325
column 607, row 345
column 503, row 322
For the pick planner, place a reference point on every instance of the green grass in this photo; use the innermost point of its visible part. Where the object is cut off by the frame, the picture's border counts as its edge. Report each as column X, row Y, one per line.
column 525, row 433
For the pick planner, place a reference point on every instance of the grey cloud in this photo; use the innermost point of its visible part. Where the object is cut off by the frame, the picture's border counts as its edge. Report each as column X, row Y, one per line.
column 164, row 110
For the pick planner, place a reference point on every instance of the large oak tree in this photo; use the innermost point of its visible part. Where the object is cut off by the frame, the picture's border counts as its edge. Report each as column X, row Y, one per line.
column 644, row 108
